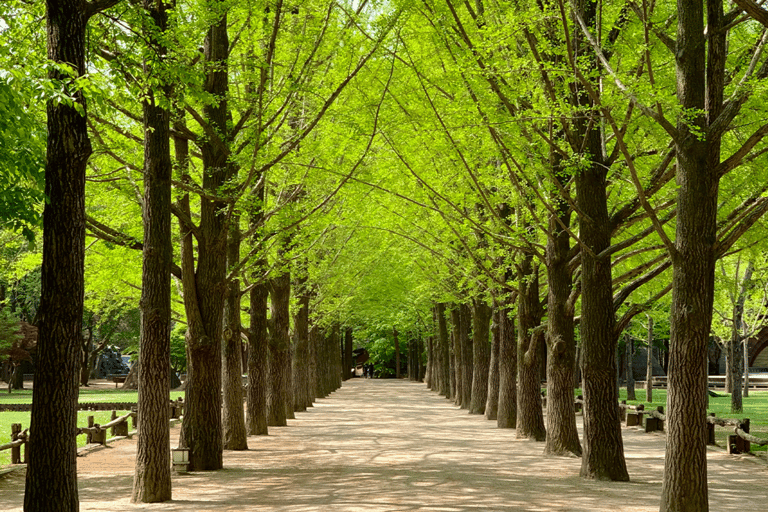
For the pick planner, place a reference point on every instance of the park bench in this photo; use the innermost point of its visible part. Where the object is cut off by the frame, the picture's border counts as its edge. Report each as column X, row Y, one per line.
column 117, row 378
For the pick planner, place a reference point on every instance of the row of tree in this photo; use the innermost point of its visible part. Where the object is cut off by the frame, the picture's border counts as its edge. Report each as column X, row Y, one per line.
column 560, row 164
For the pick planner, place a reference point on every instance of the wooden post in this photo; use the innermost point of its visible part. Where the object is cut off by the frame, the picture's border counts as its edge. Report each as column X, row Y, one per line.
column 711, row 431
column 89, row 435
column 16, row 450
column 111, row 418
column 623, row 411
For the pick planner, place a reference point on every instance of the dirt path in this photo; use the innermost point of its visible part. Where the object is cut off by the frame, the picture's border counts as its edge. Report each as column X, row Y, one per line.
column 394, row 446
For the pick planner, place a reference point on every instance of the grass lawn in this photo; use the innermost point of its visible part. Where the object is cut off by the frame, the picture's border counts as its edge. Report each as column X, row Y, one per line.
column 24, row 396
column 8, row 418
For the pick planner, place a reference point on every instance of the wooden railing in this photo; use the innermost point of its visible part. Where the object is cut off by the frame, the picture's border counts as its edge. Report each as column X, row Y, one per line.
column 633, row 415
column 95, row 433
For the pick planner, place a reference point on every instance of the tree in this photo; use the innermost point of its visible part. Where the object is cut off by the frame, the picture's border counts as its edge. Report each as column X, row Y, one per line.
column 51, row 481
column 152, row 478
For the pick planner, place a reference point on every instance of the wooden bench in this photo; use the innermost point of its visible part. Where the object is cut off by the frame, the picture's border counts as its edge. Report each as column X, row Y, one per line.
column 117, row 378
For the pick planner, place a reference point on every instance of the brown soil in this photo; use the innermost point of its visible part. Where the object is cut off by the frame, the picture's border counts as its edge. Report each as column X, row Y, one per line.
column 394, row 446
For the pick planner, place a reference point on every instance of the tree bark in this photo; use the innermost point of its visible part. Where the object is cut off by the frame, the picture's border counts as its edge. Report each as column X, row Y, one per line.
column 649, row 363
column 443, row 361
column 603, row 449
column 51, row 480
column 397, row 353
column 233, row 416
column 458, row 353
column 684, row 485
column 530, row 419
column 492, row 403
column 481, row 355
column 506, row 416
column 152, row 477
column 301, row 388
column 348, row 366
column 280, row 346
column 258, row 351
column 630, row 355
column 562, row 437
column 736, row 350
column 467, row 364
column 204, row 288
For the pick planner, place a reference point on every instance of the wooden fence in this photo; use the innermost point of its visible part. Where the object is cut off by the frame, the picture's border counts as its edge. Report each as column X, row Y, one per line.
column 633, row 415
column 95, row 433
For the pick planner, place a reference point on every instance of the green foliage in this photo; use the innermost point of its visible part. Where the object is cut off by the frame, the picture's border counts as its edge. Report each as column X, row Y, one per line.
column 178, row 349
column 9, row 331
column 22, row 161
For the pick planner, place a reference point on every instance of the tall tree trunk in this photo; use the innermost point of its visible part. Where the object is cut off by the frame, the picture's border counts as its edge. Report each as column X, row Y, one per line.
column 258, row 352
column 649, row 363
column 481, row 355
column 530, row 419
column 443, row 361
column 630, row 355
column 467, row 363
column 738, row 359
column 428, row 376
column 684, row 486
column 204, row 288
column 562, row 437
column 233, row 416
column 458, row 353
column 152, row 477
column 745, row 358
column 301, row 393
column 506, row 416
column 315, row 353
column 603, row 450
column 492, row 403
column 397, row 353
column 348, row 366
column 280, row 346
column 51, row 480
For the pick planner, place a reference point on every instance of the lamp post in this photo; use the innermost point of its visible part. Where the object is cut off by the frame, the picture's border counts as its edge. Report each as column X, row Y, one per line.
column 180, row 459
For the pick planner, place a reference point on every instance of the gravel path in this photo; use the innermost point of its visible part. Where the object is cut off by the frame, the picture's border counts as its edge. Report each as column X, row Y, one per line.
column 384, row 445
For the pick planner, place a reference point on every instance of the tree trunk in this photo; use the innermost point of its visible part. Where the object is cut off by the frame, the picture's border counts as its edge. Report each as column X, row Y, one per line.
column 481, row 355
column 233, row 416
column 315, row 353
column 506, row 417
column 430, row 359
column 562, row 437
column 603, row 450
column 745, row 358
column 204, row 288
column 51, row 480
column 467, row 364
column 736, row 348
column 301, row 395
column 530, row 419
column 443, row 355
column 649, row 363
column 684, row 485
column 492, row 403
column 458, row 353
column 630, row 355
column 152, row 477
column 258, row 362
column 348, row 366
column 280, row 346
column 397, row 353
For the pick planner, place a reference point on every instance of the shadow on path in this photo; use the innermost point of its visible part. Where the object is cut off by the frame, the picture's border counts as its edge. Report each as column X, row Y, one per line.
column 384, row 445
